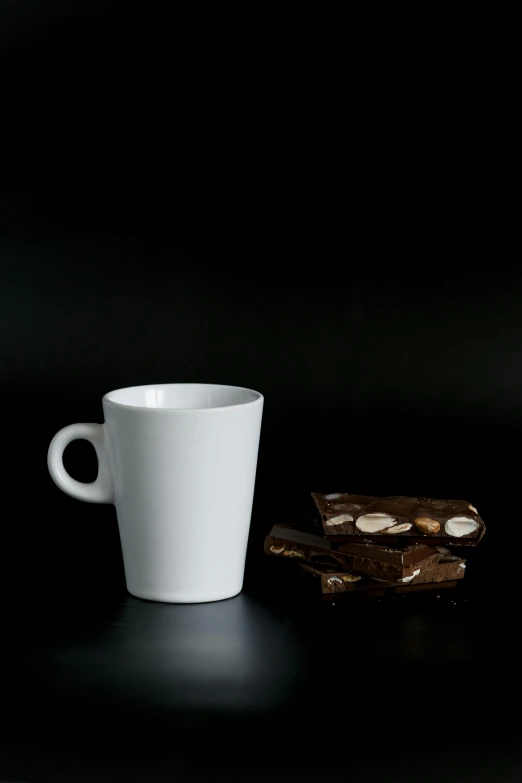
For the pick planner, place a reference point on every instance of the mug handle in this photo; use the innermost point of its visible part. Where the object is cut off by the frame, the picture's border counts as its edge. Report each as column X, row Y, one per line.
column 99, row 491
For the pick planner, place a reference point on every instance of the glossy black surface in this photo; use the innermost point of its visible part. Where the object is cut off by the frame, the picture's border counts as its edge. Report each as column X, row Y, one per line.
column 111, row 685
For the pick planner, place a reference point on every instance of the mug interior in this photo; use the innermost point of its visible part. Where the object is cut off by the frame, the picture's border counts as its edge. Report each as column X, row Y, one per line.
column 182, row 396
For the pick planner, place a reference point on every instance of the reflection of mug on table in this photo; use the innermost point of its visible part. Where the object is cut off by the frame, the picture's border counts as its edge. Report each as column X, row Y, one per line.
column 179, row 462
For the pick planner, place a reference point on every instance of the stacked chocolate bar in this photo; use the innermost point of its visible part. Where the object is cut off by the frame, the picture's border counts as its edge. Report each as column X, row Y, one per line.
column 377, row 546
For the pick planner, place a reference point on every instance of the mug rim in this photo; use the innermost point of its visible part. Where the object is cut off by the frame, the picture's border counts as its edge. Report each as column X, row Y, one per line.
column 107, row 401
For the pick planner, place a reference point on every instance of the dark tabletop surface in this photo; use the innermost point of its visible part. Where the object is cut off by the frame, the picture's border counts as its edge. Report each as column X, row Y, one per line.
column 102, row 686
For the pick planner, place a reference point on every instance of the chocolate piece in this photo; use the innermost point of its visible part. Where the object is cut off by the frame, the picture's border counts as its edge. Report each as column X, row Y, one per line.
column 446, row 556
column 350, row 518
column 442, row 572
column 385, row 592
column 299, row 542
column 410, row 554
column 386, row 570
column 334, row 582
column 377, row 561
column 454, row 568
column 311, row 539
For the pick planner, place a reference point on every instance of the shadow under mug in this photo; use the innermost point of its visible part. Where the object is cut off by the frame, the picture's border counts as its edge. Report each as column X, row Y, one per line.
column 179, row 463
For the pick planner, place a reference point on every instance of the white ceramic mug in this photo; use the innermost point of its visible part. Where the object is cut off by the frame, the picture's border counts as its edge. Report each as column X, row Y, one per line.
column 179, row 461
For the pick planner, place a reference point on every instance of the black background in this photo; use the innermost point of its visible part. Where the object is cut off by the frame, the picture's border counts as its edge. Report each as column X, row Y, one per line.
column 170, row 217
